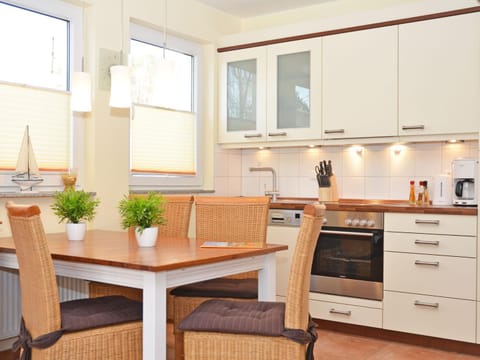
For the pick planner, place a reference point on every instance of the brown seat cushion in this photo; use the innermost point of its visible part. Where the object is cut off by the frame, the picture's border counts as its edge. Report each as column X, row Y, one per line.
column 221, row 287
column 245, row 317
column 102, row 311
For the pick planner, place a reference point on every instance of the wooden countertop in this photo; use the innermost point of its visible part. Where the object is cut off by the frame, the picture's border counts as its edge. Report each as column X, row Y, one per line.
column 398, row 206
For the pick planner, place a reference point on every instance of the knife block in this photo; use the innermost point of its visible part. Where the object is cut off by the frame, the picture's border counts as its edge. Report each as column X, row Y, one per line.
column 329, row 194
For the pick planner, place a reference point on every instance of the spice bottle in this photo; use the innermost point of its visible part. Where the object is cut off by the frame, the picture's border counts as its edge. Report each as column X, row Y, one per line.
column 411, row 196
column 426, row 196
column 420, row 194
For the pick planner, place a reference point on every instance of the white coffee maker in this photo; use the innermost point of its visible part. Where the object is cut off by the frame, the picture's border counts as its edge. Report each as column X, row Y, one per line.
column 465, row 187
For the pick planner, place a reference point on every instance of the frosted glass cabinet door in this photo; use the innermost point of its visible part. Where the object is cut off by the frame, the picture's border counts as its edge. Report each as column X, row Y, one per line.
column 242, row 95
column 294, row 83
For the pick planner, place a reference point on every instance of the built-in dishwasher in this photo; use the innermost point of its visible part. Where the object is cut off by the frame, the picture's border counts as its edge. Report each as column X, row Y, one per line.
column 283, row 227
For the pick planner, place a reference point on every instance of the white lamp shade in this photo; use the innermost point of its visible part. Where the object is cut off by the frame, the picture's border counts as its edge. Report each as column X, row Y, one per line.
column 120, row 92
column 81, row 97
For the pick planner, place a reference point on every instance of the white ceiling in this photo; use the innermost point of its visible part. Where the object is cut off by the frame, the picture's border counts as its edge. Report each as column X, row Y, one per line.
column 248, row 8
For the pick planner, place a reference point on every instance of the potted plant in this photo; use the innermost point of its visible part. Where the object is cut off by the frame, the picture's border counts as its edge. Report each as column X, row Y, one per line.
column 75, row 207
column 143, row 213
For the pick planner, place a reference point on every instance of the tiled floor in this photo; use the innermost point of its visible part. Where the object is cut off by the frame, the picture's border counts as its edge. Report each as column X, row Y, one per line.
column 337, row 346
column 333, row 345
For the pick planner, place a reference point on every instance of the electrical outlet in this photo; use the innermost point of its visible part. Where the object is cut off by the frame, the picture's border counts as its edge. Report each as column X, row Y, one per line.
column 107, row 58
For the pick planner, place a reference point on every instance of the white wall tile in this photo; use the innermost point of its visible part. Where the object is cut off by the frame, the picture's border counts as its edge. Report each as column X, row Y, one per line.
column 353, row 163
column 428, row 159
column 288, row 186
column 377, row 161
column 353, row 187
column 377, row 187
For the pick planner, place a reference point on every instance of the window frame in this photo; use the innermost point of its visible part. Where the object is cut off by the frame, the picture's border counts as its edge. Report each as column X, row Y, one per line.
column 174, row 181
column 74, row 15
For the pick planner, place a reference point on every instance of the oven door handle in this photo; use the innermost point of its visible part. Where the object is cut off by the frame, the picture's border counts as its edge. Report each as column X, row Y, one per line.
column 334, row 232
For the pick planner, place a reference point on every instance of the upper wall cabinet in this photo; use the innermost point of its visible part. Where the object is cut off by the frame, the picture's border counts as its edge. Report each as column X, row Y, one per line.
column 439, row 76
column 360, row 84
column 270, row 93
column 242, row 90
column 293, row 93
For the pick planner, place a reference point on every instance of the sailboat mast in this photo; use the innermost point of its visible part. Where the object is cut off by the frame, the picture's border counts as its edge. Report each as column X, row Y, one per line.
column 28, row 153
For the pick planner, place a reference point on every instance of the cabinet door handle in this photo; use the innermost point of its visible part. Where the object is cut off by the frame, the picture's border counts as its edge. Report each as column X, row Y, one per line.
column 431, row 222
column 282, row 133
column 413, row 127
column 427, row 263
column 341, row 312
column 427, row 242
column 423, row 303
column 247, row 136
column 335, row 131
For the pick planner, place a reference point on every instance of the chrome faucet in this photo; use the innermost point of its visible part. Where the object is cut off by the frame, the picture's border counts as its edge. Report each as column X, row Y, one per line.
column 274, row 192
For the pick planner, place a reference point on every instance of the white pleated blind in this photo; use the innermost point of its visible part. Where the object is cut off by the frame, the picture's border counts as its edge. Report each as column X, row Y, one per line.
column 47, row 112
column 162, row 141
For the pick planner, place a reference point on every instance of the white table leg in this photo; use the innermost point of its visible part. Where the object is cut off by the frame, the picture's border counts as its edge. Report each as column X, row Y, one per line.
column 266, row 279
column 154, row 316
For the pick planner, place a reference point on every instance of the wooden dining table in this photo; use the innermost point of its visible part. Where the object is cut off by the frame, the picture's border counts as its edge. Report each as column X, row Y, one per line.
column 114, row 257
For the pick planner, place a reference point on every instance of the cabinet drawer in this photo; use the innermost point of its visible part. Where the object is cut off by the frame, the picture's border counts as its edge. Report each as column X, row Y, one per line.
column 430, row 274
column 428, row 315
column 350, row 314
column 431, row 244
column 431, row 223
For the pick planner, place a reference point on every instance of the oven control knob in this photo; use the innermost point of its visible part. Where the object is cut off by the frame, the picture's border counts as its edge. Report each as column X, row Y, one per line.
column 348, row 222
column 355, row 222
column 371, row 223
column 363, row 222
column 324, row 221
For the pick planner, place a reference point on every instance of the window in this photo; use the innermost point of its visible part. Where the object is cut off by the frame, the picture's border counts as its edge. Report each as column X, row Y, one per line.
column 37, row 53
column 164, row 131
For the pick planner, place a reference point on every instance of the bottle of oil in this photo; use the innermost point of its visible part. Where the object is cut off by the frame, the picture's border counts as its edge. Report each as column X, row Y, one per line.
column 426, row 196
column 420, row 194
column 411, row 196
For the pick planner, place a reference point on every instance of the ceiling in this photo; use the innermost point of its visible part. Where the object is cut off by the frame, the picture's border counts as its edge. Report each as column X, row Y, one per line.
column 249, row 8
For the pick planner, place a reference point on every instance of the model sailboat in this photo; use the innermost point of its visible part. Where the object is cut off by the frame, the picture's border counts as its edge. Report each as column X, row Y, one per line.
column 26, row 173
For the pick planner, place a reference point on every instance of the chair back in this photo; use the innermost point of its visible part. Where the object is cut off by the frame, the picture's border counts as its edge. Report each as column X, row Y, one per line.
column 40, row 302
column 235, row 219
column 296, row 307
column 177, row 215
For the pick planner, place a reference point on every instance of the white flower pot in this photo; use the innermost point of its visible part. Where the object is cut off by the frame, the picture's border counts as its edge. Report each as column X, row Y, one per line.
column 76, row 231
column 148, row 237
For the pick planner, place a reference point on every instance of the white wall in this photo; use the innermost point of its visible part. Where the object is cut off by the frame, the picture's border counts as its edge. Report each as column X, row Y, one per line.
column 377, row 173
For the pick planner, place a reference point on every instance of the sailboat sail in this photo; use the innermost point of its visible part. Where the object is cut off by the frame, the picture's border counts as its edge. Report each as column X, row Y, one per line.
column 26, row 172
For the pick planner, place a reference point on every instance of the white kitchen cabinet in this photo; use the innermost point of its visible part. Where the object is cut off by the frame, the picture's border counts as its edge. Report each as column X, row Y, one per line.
column 242, row 91
column 430, row 263
column 294, row 90
column 360, row 84
column 270, row 93
column 346, row 309
column 284, row 235
column 429, row 315
column 439, row 76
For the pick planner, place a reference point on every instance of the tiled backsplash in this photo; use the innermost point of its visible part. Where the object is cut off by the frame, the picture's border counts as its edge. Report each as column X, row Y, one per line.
column 373, row 172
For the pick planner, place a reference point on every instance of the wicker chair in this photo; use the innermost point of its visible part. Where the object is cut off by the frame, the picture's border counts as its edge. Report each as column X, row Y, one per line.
column 220, row 329
column 234, row 219
column 67, row 331
column 177, row 213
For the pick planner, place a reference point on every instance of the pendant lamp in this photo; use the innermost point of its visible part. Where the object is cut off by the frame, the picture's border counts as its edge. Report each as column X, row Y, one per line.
column 120, row 90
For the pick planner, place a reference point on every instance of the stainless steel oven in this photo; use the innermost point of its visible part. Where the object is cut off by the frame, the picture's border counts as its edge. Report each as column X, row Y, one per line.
column 348, row 258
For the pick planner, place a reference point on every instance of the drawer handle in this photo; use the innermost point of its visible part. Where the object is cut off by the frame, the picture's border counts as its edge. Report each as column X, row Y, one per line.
column 335, row 131
column 422, row 303
column 341, row 312
column 427, row 242
column 283, row 133
column 247, row 136
column 413, row 127
column 431, row 222
column 427, row 263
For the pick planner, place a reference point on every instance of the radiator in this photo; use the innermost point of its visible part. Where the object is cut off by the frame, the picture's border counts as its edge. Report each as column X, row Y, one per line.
column 10, row 302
